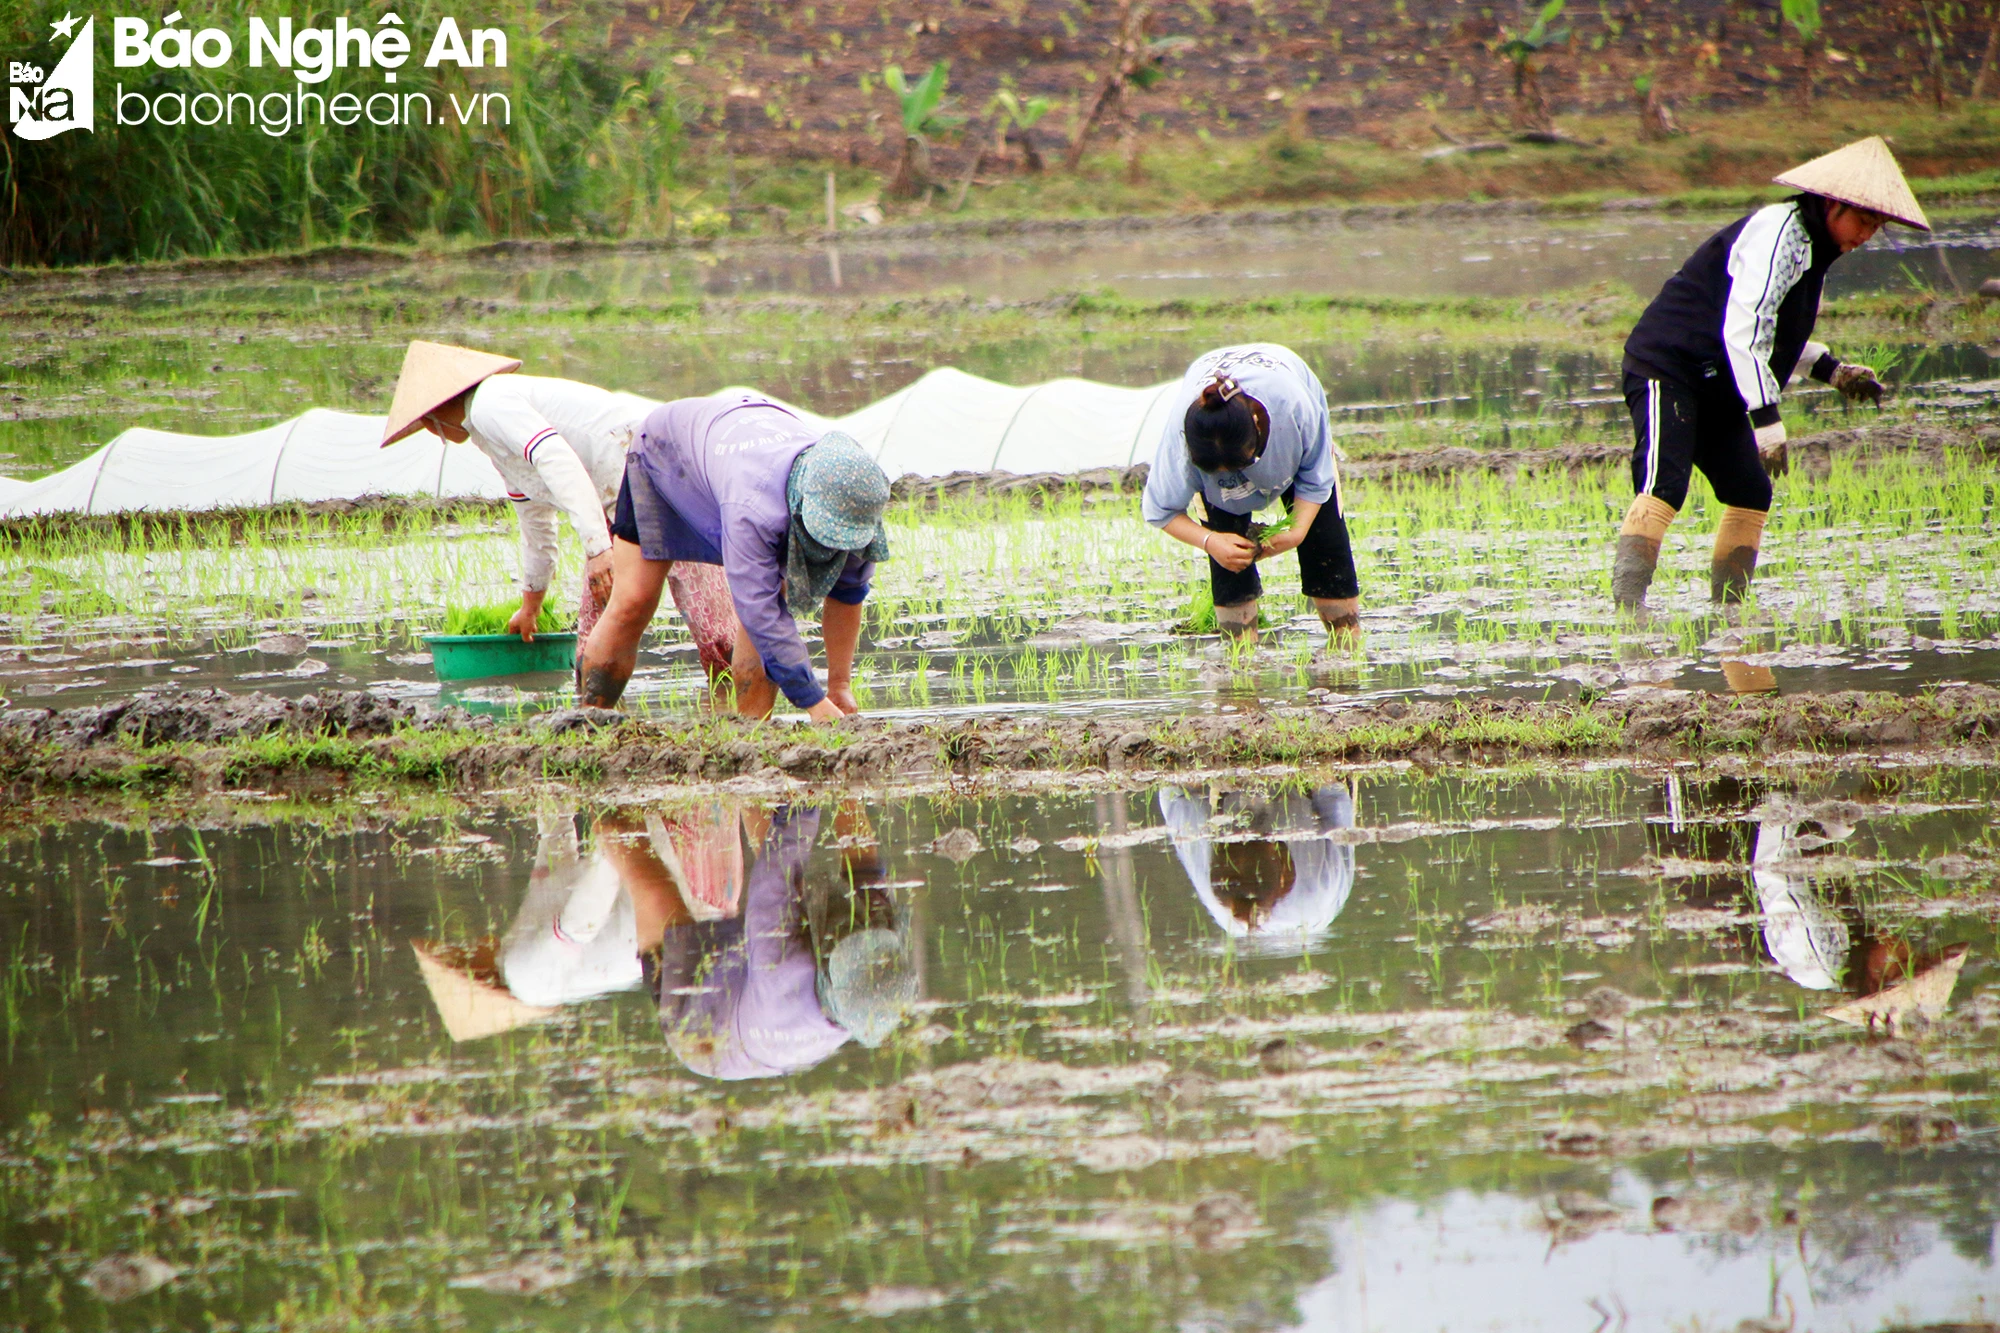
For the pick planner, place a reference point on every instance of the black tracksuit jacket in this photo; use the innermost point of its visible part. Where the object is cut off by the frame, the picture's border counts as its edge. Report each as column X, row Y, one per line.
column 1742, row 308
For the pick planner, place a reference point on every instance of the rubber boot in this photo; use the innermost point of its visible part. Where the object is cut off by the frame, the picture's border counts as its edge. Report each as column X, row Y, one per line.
column 1639, row 539
column 1737, row 538
column 1238, row 623
column 1340, row 615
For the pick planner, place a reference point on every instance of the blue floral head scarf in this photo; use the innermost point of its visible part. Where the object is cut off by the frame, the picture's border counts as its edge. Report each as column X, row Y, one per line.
column 836, row 494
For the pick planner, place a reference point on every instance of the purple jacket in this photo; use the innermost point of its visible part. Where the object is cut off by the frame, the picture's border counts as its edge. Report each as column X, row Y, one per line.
column 751, row 987
column 722, row 462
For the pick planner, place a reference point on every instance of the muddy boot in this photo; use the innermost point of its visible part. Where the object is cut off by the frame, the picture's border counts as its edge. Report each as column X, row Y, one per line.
column 1238, row 623
column 1639, row 539
column 1734, row 560
column 1632, row 571
column 1341, row 616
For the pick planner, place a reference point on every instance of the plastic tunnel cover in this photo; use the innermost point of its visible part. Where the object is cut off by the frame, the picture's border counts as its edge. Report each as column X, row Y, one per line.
column 948, row 421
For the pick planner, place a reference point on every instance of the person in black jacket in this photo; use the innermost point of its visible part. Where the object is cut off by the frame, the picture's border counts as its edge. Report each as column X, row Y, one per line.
column 1705, row 364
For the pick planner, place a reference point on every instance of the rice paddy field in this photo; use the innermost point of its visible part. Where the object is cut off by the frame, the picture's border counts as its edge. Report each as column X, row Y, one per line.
column 1697, row 1043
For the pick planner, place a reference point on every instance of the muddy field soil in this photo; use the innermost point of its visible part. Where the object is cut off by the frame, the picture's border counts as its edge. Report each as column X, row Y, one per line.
column 212, row 739
column 780, row 80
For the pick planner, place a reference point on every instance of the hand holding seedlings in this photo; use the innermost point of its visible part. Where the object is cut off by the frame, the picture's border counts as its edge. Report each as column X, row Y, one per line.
column 1858, row 384
column 527, row 616
column 1233, row 553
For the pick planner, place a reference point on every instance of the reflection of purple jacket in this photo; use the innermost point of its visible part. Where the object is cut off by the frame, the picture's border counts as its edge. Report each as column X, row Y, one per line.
column 738, row 997
column 722, row 463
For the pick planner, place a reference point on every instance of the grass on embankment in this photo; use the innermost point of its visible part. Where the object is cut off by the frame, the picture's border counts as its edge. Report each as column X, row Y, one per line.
column 1726, row 160
column 84, row 751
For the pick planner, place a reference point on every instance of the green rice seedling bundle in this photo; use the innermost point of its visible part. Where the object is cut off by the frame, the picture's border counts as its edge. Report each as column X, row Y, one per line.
column 492, row 618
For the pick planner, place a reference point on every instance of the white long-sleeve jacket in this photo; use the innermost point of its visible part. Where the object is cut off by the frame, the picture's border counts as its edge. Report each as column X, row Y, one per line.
column 560, row 448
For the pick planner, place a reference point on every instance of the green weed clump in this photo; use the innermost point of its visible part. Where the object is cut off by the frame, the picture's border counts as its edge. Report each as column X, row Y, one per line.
column 492, row 619
column 566, row 138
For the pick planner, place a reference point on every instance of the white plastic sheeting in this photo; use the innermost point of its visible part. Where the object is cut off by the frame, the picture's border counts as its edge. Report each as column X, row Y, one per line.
column 948, row 421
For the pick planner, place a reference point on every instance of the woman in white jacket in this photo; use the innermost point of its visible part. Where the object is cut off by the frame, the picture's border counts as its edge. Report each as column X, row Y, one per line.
column 559, row 447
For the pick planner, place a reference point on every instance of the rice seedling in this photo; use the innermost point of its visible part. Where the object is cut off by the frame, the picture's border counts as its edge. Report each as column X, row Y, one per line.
column 493, row 618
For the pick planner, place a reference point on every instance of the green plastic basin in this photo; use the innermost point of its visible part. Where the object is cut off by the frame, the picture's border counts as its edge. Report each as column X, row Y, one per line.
column 472, row 656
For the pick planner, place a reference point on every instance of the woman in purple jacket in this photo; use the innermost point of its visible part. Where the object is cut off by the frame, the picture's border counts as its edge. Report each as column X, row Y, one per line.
column 793, row 517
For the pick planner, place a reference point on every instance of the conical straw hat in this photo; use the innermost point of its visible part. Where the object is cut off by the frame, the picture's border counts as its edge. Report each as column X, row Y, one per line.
column 433, row 375
column 1927, row 992
column 1864, row 174
column 465, row 987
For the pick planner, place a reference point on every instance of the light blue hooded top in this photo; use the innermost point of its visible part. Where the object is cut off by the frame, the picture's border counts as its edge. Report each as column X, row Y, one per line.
column 1299, row 453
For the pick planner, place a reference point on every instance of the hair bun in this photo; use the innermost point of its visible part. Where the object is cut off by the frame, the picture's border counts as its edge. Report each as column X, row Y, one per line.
column 1218, row 392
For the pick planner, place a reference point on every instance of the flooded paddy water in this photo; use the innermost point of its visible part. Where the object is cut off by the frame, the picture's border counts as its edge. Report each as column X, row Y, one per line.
column 1230, row 1048
column 1367, row 1049
column 1879, row 577
column 225, row 351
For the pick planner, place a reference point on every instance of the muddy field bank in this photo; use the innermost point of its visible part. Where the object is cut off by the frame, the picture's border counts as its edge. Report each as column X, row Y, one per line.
column 211, row 739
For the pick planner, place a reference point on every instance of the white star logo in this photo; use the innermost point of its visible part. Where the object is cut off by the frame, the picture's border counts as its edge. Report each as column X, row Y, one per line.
column 66, row 26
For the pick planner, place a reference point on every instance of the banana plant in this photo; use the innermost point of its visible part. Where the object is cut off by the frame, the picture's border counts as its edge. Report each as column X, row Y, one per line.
column 1804, row 17
column 1523, row 49
column 1014, row 118
column 922, row 113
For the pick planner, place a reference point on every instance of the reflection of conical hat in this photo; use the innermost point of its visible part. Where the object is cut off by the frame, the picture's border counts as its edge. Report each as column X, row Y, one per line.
column 464, row 985
column 1927, row 993
column 1864, row 174
column 1743, row 678
column 433, row 375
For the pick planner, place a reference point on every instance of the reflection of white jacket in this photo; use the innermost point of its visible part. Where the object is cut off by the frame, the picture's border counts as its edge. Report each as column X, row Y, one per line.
column 575, row 937
column 1323, row 872
column 560, row 447
column 1805, row 939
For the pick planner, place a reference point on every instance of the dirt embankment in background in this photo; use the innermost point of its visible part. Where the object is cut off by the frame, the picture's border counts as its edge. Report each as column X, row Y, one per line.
column 788, row 81
column 210, row 739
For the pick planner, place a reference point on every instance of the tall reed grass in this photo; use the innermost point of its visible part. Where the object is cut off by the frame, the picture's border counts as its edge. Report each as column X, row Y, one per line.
column 591, row 144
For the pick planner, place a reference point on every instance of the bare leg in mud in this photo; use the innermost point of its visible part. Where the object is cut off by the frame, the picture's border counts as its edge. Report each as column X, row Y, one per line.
column 1341, row 616
column 1238, row 624
column 612, row 651
column 755, row 694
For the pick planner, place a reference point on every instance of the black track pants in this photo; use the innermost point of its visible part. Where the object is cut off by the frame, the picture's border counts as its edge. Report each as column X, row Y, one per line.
column 1326, row 559
column 1676, row 429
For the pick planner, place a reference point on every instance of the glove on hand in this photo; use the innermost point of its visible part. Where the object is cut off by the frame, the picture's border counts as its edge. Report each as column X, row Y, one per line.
column 1771, row 449
column 1857, row 383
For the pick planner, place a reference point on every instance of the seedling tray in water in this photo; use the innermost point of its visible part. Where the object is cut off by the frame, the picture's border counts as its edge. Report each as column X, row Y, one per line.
column 475, row 656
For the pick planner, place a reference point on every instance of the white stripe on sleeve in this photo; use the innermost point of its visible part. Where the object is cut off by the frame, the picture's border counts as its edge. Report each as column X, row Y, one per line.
column 1770, row 255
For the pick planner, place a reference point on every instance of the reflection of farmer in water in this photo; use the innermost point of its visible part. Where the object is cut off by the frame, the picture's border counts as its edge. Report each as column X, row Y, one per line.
column 577, row 934
column 756, row 974
column 1805, row 937
column 1262, row 866
column 805, row 965
column 1814, row 931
